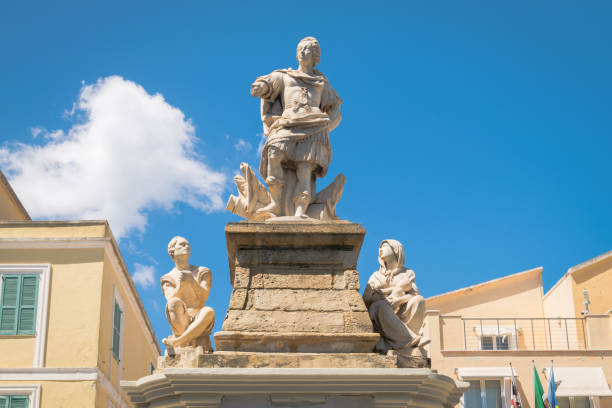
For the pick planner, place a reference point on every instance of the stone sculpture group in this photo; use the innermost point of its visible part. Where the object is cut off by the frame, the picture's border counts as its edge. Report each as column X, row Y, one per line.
column 297, row 332
column 299, row 109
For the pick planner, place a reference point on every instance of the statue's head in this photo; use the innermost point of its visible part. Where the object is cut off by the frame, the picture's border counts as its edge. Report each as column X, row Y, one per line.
column 391, row 251
column 179, row 246
column 308, row 47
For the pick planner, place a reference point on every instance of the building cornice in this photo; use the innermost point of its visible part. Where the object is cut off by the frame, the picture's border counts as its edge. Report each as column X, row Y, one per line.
column 13, row 196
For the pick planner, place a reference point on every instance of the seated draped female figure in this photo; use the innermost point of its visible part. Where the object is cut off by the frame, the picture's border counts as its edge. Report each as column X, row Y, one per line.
column 395, row 306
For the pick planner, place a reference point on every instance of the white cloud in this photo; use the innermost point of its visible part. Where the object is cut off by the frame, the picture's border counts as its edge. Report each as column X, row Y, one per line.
column 143, row 275
column 243, row 145
column 130, row 153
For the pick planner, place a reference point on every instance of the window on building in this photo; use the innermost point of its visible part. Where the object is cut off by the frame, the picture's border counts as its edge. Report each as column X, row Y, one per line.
column 117, row 312
column 152, row 368
column 14, row 401
column 18, row 304
column 483, row 394
column 494, row 343
column 578, row 402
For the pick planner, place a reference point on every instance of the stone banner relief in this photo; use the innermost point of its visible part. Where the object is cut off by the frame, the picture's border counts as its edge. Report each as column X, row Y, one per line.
column 297, row 332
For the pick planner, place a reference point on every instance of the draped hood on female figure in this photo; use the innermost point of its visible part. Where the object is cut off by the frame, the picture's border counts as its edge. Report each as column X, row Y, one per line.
column 396, row 308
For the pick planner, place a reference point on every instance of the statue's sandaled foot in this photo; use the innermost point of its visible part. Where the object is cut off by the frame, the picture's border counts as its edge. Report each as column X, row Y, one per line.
column 302, row 201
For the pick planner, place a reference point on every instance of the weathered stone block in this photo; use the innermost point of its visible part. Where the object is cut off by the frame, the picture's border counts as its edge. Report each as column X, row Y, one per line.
column 357, row 322
column 280, row 321
column 295, row 257
column 242, row 277
column 238, row 299
column 307, row 300
column 296, row 278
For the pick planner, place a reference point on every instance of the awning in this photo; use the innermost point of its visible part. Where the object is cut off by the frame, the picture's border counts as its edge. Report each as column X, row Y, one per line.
column 465, row 373
column 581, row 382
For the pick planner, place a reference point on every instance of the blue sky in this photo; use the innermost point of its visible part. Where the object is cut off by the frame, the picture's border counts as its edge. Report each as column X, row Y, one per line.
column 477, row 133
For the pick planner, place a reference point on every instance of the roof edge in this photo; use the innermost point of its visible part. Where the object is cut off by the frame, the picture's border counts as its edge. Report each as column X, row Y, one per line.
column 590, row 262
column 14, row 197
column 537, row 270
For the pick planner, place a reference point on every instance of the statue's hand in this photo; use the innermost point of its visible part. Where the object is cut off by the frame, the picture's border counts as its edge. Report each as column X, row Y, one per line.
column 259, row 88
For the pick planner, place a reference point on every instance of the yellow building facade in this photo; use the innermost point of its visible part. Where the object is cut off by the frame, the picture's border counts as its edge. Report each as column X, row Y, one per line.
column 72, row 325
column 478, row 333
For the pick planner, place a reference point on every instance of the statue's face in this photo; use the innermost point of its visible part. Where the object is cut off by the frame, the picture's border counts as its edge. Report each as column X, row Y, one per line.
column 306, row 55
column 182, row 248
column 385, row 252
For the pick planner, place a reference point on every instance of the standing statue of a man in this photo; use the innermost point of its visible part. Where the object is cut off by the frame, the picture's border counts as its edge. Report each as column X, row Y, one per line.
column 298, row 109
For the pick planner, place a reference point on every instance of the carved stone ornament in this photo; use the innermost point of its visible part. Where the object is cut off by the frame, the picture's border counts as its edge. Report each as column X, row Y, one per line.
column 186, row 288
column 299, row 109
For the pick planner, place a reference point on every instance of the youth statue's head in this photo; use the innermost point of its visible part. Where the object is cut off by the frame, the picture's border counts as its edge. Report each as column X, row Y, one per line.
column 179, row 247
column 309, row 51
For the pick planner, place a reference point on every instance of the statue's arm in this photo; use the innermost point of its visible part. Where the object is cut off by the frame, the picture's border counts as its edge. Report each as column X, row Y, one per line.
column 205, row 280
column 373, row 292
column 268, row 86
column 330, row 104
column 168, row 288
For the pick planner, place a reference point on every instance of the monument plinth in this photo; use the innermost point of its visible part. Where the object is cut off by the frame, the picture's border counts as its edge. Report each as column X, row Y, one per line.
column 296, row 289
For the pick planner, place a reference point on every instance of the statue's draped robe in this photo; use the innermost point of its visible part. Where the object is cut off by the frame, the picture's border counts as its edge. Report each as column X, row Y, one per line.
column 399, row 329
column 304, row 138
column 188, row 288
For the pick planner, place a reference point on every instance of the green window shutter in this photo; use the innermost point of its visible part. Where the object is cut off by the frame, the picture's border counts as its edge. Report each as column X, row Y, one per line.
column 19, row 401
column 116, row 330
column 3, row 401
column 9, row 304
column 27, row 306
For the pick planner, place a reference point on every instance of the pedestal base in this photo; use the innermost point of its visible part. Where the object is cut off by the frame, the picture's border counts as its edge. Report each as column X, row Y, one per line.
column 296, row 289
column 236, row 359
column 296, row 342
column 294, row 387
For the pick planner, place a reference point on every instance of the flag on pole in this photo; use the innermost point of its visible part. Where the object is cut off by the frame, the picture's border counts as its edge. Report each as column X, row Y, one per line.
column 552, row 398
column 538, row 389
column 515, row 398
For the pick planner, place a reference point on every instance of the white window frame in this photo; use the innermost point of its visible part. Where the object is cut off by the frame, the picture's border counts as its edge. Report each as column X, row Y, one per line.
column 32, row 391
column 117, row 298
column 512, row 338
column 593, row 400
column 504, row 388
column 42, row 306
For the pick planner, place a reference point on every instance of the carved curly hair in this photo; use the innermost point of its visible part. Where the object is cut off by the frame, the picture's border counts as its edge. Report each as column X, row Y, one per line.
column 313, row 43
column 172, row 243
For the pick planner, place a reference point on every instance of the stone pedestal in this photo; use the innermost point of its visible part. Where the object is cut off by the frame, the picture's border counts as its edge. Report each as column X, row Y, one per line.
column 289, row 387
column 297, row 334
column 296, row 289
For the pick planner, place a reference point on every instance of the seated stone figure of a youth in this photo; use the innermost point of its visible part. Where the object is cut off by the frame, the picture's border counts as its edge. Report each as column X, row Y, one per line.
column 186, row 288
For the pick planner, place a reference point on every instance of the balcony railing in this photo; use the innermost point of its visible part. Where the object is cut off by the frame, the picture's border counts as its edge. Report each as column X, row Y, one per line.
column 525, row 334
